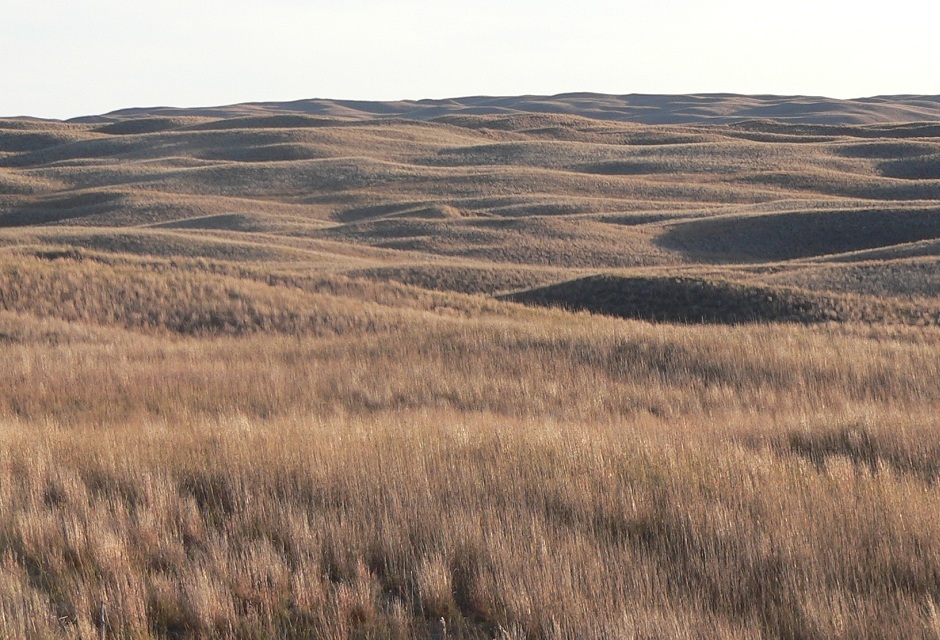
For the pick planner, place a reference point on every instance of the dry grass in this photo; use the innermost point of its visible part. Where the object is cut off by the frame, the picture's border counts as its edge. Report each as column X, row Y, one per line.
column 255, row 384
column 544, row 475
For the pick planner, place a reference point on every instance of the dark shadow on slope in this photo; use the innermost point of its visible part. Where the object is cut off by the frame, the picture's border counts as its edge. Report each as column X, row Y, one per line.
column 165, row 244
column 140, row 126
column 61, row 208
column 471, row 280
column 284, row 121
column 282, row 152
column 865, row 449
column 220, row 222
column 20, row 141
column 926, row 167
column 681, row 300
column 897, row 278
column 421, row 210
column 639, row 218
column 627, row 167
column 94, row 149
column 832, row 130
column 791, row 235
column 886, row 149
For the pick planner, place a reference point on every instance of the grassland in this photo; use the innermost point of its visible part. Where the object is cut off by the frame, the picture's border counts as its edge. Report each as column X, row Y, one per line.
column 282, row 375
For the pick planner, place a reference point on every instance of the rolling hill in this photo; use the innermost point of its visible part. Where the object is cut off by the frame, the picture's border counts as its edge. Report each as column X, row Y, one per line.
column 533, row 368
column 495, row 195
column 714, row 108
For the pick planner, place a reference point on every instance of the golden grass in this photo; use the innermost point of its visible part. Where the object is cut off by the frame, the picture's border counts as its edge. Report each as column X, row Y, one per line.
column 535, row 474
column 343, row 528
column 246, row 392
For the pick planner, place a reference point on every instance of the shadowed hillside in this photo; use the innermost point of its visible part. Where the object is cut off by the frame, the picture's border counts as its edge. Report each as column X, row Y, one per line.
column 695, row 301
column 803, row 234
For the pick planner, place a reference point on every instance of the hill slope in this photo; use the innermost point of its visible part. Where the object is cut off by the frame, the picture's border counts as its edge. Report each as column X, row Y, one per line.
column 499, row 195
column 714, row 108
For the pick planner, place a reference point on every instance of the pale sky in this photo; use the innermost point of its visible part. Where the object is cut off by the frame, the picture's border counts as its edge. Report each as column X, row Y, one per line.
column 61, row 58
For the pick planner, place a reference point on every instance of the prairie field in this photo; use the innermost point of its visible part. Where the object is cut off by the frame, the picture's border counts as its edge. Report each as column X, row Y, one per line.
column 441, row 372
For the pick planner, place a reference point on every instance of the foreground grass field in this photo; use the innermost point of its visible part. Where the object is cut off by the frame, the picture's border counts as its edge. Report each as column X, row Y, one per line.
column 517, row 474
column 532, row 377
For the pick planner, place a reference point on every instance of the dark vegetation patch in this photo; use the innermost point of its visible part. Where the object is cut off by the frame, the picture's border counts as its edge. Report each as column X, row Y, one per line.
column 373, row 211
column 388, row 228
column 819, row 182
column 548, row 208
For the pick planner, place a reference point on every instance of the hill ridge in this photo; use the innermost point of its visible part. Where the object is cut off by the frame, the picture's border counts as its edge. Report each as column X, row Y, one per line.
column 693, row 108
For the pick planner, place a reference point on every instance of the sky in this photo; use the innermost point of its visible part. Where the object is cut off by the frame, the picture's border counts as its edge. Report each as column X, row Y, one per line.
column 67, row 58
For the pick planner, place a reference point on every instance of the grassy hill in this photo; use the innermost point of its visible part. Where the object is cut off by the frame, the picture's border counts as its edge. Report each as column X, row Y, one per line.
column 571, row 367
column 713, row 108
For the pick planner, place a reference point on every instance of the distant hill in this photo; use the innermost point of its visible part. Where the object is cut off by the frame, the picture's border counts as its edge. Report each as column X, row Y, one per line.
column 717, row 108
column 701, row 208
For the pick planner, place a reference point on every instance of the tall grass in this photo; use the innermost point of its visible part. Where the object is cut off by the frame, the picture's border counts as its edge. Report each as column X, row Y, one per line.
column 213, row 430
column 574, row 477
column 381, row 526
